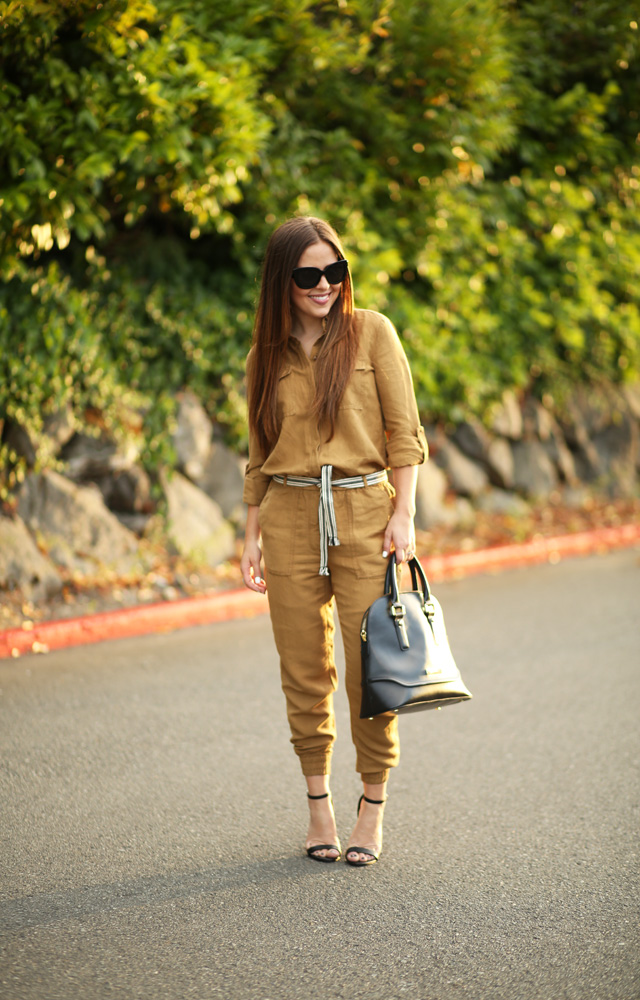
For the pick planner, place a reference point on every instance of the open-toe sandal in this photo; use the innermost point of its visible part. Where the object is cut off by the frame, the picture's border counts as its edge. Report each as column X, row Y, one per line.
column 372, row 857
column 311, row 851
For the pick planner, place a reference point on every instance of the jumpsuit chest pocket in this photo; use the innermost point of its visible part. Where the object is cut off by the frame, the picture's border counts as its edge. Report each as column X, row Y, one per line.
column 361, row 389
column 294, row 393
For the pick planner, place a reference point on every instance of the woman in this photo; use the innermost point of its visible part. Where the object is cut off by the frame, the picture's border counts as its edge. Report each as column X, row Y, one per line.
column 331, row 407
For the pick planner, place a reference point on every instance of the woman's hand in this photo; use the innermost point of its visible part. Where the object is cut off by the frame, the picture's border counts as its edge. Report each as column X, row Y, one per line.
column 251, row 560
column 250, row 564
column 401, row 536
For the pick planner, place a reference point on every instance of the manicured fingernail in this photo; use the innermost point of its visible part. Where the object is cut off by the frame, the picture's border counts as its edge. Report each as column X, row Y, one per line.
column 384, row 554
column 258, row 579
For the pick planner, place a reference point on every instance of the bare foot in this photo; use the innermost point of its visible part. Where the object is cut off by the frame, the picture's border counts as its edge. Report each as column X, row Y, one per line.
column 322, row 828
column 367, row 832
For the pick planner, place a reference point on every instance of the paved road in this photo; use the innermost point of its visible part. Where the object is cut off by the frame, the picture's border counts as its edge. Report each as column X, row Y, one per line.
column 152, row 816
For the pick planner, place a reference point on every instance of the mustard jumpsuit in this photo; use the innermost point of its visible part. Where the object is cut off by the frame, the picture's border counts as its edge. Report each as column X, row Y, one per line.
column 377, row 427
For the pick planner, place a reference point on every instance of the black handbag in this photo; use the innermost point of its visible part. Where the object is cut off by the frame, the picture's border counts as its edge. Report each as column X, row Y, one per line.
column 407, row 664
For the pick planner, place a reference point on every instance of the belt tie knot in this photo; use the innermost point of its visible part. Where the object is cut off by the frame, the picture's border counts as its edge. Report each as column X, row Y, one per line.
column 326, row 510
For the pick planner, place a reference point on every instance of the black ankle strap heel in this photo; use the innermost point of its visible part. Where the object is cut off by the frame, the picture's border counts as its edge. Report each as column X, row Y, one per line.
column 311, row 851
column 372, row 857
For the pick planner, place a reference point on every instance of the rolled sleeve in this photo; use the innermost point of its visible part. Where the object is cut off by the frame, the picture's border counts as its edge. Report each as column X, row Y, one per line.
column 412, row 450
column 406, row 442
column 255, row 485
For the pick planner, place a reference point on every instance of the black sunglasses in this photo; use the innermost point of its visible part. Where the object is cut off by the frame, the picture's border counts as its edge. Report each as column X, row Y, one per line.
column 309, row 277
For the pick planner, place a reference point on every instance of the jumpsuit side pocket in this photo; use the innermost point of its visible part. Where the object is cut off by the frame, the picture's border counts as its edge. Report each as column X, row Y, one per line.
column 277, row 518
column 370, row 510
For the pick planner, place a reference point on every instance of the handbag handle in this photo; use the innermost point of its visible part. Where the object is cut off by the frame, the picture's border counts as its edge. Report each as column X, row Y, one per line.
column 418, row 578
column 397, row 609
column 417, row 572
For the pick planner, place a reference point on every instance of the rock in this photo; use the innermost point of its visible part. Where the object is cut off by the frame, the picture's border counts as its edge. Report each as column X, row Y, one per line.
column 125, row 486
column 192, row 437
column 127, row 491
column 617, row 448
column 89, row 458
column 587, row 461
column 195, row 525
column 591, row 407
column 537, row 420
column 585, row 457
column 76, row 528
column 602, row 428
column 136, row 523
column 430, row 493
column 473, row 439
column 500, row 463
column 496, row 501
column 492, row 453
column 465, row 477
column 534, row 473
column 22, row 565
column 506, row 419
column 540, row 423
column 222, row 479
column 631, row 395
column 58, row 429
column 16, row 438
column 557, row 450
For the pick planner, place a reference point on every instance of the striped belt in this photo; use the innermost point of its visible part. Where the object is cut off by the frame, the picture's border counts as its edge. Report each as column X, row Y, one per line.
column 326, row 512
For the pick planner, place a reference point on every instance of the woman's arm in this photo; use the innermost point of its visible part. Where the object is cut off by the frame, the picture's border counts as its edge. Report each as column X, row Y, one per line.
column 406, row 443
column 250, row 563
column 400, row 534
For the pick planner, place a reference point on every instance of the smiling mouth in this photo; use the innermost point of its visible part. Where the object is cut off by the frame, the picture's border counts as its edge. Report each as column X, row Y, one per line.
column 321, row 299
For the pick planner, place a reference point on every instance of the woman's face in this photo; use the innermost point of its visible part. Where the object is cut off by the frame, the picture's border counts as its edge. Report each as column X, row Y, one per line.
column 314, row 303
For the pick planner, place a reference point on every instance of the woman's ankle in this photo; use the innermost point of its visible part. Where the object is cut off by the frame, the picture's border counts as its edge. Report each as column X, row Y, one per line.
column 375, row 793
column 317, row 785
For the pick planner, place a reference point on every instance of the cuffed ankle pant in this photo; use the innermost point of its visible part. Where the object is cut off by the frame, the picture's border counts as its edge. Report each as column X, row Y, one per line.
column 301, row 608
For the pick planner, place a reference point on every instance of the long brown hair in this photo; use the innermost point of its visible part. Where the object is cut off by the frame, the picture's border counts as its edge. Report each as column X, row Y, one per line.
column 273, row 326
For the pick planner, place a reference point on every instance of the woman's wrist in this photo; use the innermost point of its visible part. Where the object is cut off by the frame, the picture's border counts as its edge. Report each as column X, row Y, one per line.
column 404, row 509
column 252, row 527
column 405, row 480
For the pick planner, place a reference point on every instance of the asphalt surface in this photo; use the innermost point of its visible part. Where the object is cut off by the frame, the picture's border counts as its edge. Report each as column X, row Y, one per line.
column 152, row 815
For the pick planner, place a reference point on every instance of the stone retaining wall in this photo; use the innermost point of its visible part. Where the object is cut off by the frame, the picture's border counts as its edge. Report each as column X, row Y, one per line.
column 91, row 518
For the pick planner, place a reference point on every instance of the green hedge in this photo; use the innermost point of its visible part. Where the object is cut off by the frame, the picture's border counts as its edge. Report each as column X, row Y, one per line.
column 479, row 160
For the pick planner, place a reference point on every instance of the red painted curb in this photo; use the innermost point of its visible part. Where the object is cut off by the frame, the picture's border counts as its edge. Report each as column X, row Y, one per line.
column 536, row 551
column 124, row 622
column 241, row 603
